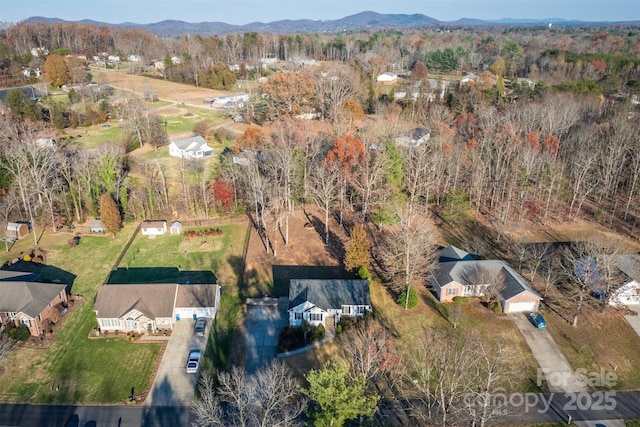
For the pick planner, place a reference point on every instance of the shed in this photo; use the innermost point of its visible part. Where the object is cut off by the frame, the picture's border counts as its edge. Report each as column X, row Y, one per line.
column 17, row 230
column 153, row 228
column 176, row 228
column 96, row 226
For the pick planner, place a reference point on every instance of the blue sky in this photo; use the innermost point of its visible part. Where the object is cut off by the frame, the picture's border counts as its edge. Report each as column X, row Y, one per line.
column 245, row 11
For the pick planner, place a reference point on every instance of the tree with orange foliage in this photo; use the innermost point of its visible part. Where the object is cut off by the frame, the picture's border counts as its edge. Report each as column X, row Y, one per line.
column 288, row 92
column 250, row 139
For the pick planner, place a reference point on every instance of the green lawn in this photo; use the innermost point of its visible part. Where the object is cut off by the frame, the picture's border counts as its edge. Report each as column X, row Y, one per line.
column 76, row 369
column 86, row 371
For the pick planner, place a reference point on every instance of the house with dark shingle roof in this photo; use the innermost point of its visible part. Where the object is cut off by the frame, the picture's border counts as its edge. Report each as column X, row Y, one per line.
column 317, row 301
column 23, row 301
column 149, row 307
column 468, row 277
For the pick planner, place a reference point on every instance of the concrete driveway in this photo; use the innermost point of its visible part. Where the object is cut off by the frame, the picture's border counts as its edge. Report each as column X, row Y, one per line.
column 634, row 321
column 172, row 386
column 266, row 317
column 555, row 369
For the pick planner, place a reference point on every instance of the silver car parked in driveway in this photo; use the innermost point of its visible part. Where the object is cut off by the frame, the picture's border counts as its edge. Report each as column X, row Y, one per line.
column 193, row 361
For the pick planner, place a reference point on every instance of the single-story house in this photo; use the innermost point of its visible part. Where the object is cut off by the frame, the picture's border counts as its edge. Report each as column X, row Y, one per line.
column 176, row 228
column 625, row 278
column 96, row 226
column 195, row 147
column 149, row 307
column 16, row 230
column 319, row 301
column 153, row 228
column 415, row 138
column 387, row 78
column 468, row 277
column 23, row 301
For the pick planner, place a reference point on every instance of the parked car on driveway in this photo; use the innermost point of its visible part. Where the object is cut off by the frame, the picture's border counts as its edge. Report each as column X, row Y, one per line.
column 193, row 361
column 537, row 320
column 201, row 325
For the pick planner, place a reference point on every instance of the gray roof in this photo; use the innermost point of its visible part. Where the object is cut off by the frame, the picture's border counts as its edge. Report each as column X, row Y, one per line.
column 29, row 298
column 8, row 275
column 154, row 300
column 328, row 294
column 460, row 272
column 193, row 144
column 452, row 253
column 629, row 264
column 196, row 295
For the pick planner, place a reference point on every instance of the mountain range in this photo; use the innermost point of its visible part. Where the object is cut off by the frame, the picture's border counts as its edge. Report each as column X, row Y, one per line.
column 359, row 21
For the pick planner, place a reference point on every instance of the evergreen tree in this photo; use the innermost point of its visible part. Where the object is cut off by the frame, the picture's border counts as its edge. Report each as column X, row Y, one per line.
column 110, row 215
column 336, row 397
column 357, row 252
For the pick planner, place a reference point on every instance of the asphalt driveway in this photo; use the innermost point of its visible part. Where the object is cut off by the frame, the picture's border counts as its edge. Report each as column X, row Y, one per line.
column 172, row 386
column 556, row 371
column 262, row 325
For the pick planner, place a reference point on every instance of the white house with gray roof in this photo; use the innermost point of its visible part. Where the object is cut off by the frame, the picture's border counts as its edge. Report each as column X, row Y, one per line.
column 317, row 301
column 469, row 277
column 149, row 307
column 195, row 147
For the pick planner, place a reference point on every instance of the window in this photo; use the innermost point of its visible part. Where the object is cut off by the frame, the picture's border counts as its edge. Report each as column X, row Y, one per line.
column 298, row 316
column 131, row 323
column 25, row 322
column 11, row 315
column 315, row 317
column 346, row 309
column 361, row 309
column 452, row 292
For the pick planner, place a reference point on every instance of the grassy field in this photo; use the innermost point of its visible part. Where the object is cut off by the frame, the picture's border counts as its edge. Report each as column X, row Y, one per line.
column 76, row 369
column 601, row 340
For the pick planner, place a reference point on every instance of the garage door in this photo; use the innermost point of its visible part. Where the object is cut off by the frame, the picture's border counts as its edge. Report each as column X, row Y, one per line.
column 516, row 307
column 187, row 313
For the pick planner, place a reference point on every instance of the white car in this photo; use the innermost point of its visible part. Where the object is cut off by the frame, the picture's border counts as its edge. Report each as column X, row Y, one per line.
column 193, row 361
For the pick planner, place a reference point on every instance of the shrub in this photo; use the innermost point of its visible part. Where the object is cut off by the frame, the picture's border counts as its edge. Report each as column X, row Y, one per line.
column 413, row 298
column 21, row 333
column 363, row 273
column 495, row 306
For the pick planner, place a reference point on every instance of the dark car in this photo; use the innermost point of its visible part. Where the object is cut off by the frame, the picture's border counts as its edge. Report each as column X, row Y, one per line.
column 201, row 325
column 538, row 320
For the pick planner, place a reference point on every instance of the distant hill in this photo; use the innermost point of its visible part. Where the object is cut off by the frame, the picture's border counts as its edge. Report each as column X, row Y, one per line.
column 359, row 21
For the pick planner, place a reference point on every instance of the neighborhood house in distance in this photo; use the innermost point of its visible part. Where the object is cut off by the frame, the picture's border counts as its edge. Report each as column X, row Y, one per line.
column 458, row 275
column 23, row 301
column 195, row 147
column 319, row 301
column 146, row 308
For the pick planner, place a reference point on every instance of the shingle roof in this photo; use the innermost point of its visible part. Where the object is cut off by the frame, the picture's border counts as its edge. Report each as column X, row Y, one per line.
column 460, row 272
column 452, row 253
column 193, row 144
column 153, row 224
column 154, row 300
column 327, row 294
column 196, row 295
column 29, row 298
column 8, row 275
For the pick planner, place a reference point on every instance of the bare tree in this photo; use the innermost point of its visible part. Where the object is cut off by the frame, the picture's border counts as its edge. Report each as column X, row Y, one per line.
column 409, row 249
column 324, row 179
column 7, row 344
column 270, row 397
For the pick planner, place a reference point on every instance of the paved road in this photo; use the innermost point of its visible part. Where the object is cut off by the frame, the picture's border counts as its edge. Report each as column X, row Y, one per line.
column 93, row 416
column 556, row 371
column 627, row 406
column 172, row 386
column 262, row 325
